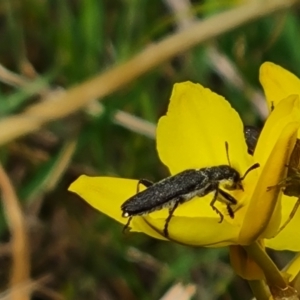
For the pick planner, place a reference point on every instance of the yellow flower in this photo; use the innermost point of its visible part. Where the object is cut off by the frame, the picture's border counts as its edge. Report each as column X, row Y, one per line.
column 279, row 84
column 192, row 136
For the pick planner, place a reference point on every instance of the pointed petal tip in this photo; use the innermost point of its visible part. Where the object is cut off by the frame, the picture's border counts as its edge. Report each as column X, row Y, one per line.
column 75, row 185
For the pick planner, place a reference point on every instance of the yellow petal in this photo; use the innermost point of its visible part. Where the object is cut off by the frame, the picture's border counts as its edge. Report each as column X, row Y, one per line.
column 272, row 152
column 288, row 238
column 141, row 224
column 278, row 83
column 107, row 194
column 206, row 232
column 195, row 129
column 288, row 110
column 262, row 219
column 293, row 268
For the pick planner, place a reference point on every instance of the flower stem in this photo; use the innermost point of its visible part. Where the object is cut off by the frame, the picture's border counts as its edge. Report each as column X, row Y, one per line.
column 259, row 290
column 273, row 275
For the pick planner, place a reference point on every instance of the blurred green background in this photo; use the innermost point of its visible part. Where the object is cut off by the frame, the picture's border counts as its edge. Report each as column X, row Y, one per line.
column 54, row 44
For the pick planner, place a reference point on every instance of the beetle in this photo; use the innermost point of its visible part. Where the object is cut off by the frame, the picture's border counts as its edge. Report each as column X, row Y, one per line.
column 251, row 134
column 184, row 186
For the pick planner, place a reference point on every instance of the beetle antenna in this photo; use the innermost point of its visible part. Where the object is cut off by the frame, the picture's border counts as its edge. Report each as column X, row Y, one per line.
column 255, row 166
column 227, row 153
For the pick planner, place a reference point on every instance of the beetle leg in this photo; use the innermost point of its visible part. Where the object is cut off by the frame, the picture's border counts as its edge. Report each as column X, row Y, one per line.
column 230, row 211
column 127, row 225
column 144, row 182
column 282, row 183
column 292, row 214
column 229, row 201
column 171, row 212
column 212, row 204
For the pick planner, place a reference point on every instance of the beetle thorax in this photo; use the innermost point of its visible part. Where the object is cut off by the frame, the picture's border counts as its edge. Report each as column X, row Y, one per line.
column 228, row 177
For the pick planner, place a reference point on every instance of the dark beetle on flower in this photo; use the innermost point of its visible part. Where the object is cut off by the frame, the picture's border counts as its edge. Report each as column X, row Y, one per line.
column 251, row 134
column 184, row 186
